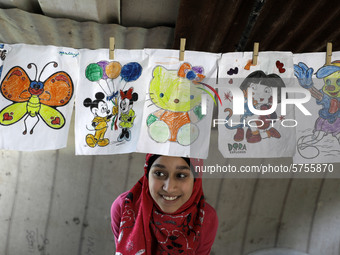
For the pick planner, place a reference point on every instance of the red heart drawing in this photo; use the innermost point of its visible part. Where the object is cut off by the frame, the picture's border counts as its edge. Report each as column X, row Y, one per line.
column 7, row 116
column 279, row 66
column 56, row 121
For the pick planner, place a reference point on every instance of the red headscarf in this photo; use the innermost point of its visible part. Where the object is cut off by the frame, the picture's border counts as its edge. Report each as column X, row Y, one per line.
column 146, row 229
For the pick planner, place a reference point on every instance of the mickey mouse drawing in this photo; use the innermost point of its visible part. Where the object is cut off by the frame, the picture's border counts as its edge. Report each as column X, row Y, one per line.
column 127, row 114
column 102, row 115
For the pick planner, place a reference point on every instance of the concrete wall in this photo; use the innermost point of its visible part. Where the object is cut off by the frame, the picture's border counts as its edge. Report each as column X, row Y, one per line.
column 53, row 202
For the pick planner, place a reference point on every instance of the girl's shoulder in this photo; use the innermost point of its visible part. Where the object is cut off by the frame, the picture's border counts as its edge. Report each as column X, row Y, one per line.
column 116, row 213
column 208, row 230
column 119, row 201
column 210, row 215
column 118, row 204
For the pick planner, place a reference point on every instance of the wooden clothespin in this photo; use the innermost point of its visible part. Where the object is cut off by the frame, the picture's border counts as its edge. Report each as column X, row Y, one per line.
column 329, row 53
column 255, row 53
column 182, row 49
column 112, row 48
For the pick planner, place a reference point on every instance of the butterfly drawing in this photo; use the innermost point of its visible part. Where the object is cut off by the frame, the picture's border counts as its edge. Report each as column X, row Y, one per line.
column 35, row 98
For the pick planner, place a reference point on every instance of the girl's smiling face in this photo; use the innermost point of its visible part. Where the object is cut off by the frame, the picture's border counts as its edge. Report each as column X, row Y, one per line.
column 170, row 183
column 261, row 93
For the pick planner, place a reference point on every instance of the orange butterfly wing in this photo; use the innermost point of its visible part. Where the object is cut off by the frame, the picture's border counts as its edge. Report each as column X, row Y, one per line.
column 15, row 85
column 58, row 90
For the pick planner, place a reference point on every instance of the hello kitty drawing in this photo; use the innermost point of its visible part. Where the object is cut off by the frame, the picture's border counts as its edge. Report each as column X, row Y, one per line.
column 177, row 94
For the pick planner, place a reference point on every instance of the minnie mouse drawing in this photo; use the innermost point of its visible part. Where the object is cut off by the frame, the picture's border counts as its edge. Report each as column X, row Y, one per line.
column 127, row 114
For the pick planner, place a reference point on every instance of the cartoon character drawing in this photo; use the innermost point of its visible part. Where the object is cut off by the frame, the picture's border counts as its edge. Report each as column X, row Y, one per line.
column 104, row 74
column 261, row 85
column 127, row 114
column 102, row 116
column 328, row 97
column 178, row 95
column 35, row 98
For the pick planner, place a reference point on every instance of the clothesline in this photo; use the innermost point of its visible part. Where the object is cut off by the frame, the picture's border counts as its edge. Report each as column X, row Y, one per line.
column 149, row 101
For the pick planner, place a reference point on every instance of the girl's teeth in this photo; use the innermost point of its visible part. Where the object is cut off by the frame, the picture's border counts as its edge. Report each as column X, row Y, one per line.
column 169, row 198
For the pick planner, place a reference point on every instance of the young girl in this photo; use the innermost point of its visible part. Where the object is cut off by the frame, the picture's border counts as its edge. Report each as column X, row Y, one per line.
column 165, row 212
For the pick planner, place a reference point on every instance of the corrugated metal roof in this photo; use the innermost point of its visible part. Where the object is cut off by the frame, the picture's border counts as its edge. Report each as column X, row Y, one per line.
column 297, row 26
column 22, row 27
column 279, row 25
column 214, row 26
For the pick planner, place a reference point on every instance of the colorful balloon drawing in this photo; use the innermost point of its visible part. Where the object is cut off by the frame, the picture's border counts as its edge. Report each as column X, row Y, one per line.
column 103, row 65
column 131, row 71
column 93, row 72
column 113, row 69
